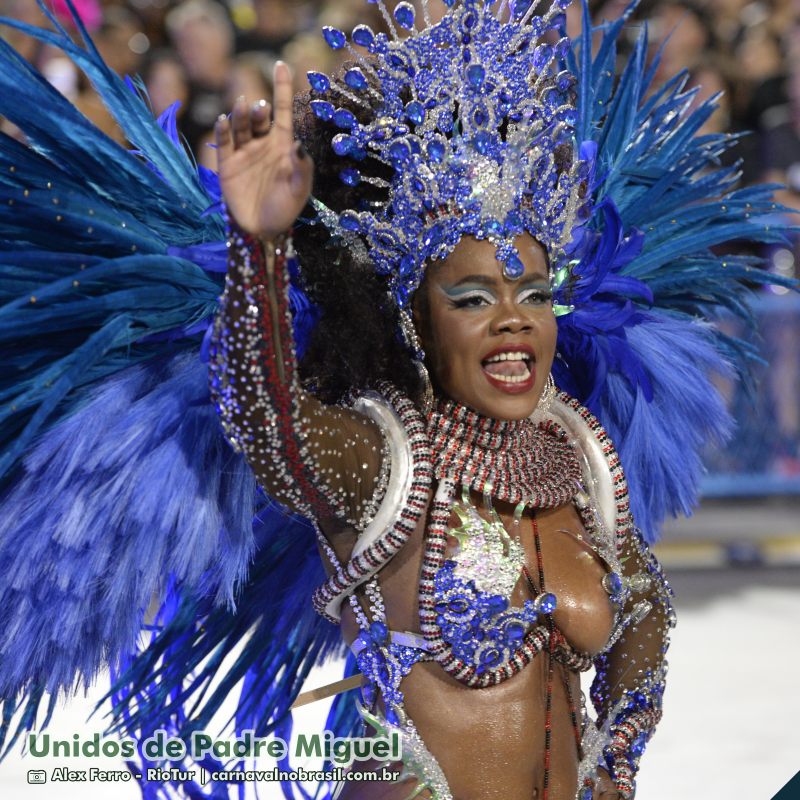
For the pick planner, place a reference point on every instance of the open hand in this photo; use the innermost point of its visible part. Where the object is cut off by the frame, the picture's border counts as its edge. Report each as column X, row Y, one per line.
column 264, row 174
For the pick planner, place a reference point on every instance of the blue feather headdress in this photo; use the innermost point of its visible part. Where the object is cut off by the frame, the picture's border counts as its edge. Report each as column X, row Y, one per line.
column 112, row 260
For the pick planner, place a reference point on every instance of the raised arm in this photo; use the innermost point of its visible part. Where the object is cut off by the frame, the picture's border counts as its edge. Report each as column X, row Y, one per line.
column 629, row 683
column 325, row 462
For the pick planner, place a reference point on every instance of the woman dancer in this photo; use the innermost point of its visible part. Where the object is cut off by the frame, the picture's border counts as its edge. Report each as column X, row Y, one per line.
column 470, row 222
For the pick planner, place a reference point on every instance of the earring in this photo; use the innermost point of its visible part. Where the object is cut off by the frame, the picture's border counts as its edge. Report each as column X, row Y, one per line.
column 548, row 395
column 427, row 392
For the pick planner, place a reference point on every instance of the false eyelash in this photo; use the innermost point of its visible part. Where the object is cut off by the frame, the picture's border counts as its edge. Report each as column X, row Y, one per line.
column 543, row 295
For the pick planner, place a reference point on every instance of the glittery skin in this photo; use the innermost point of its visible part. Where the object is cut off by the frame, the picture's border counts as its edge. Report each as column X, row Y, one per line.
column 293, row 443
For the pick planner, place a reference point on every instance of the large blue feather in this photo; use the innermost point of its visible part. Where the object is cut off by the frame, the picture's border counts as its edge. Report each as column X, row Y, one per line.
column 638, row 349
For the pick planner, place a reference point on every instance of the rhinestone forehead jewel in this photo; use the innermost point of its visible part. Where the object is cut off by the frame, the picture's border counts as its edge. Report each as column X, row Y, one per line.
column 472, row 114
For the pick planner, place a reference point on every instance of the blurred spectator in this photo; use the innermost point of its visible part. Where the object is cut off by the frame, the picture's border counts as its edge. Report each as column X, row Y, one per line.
column 121, row 42
column 166, row 82
column 277, row 22
column 683, row 32
column 203, row 36
column 89, row 11
column 251, row 78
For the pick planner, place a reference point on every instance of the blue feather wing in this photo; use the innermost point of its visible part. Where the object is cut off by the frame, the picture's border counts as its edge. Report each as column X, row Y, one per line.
column 118, row 480
column 648, row 276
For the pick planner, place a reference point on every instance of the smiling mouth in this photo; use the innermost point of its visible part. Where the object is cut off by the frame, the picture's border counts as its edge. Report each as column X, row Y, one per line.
column 511, row 368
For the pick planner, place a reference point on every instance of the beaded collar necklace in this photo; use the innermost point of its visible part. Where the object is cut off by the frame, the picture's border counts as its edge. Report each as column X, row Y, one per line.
column 515, row 460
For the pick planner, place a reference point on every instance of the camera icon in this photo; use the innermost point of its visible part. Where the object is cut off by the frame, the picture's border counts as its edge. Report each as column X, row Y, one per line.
column 37, row 776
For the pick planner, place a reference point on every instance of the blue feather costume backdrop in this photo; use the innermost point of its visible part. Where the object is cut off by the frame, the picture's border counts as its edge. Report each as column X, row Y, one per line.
column 117, row 483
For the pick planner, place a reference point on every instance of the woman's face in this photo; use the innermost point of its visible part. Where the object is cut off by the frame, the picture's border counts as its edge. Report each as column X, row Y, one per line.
column 489, row 341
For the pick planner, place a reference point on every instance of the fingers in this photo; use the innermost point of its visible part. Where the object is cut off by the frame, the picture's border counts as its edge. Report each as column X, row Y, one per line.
column 240, row 122
column 260, row 118
column 224, row 138
column 282, row 126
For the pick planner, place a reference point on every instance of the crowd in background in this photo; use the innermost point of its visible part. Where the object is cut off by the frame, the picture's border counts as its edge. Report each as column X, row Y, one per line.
column 203, row 54
column 206, row 53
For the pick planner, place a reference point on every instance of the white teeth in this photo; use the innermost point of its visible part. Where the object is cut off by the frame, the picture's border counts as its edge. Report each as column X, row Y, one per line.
column 511, row 378
column 508, row 357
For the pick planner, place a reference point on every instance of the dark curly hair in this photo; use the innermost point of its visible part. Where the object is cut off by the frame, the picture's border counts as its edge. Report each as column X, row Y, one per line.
column 355, row 344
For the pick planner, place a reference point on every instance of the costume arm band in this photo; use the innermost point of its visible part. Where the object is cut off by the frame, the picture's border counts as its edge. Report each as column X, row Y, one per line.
column 323, row 461
column 629, row 684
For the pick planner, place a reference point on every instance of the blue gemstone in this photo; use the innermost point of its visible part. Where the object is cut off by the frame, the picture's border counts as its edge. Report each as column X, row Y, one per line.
column 368, row 693
column 319, row 81
column 480, row 117
column 563, row 47
column 514, row 221
column 563, row 4
column 498, row 603
column 418, row 185
column 401, row 296
column 570, row 116
column 391, row 717
column 350, row 176
column 404, row 14
column 515, row 631
column 350, row 221
column 334, row 37
column 564, row 80
column 322, row 109
column 612, row 583
column 519, row 7
column 415, row 112
column 458, row 606
column 345, row 119
column 586, row 793
column 482, row 142
column 542, row 55
column 343, row 144
column 363, row 35
column 400, row 151
column 436, row 151
column 355, row 79
column 475, row 75
column 545, row 603
column 407, row 269
column 469, row 21
column 490, row 658
column 513, row 269
column 378, row 632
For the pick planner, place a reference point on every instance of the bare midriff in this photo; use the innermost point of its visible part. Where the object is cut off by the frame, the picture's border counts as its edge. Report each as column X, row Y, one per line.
column 490, row 742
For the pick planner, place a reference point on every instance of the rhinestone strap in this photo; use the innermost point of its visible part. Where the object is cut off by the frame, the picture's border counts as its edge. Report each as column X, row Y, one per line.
column 327, row 598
